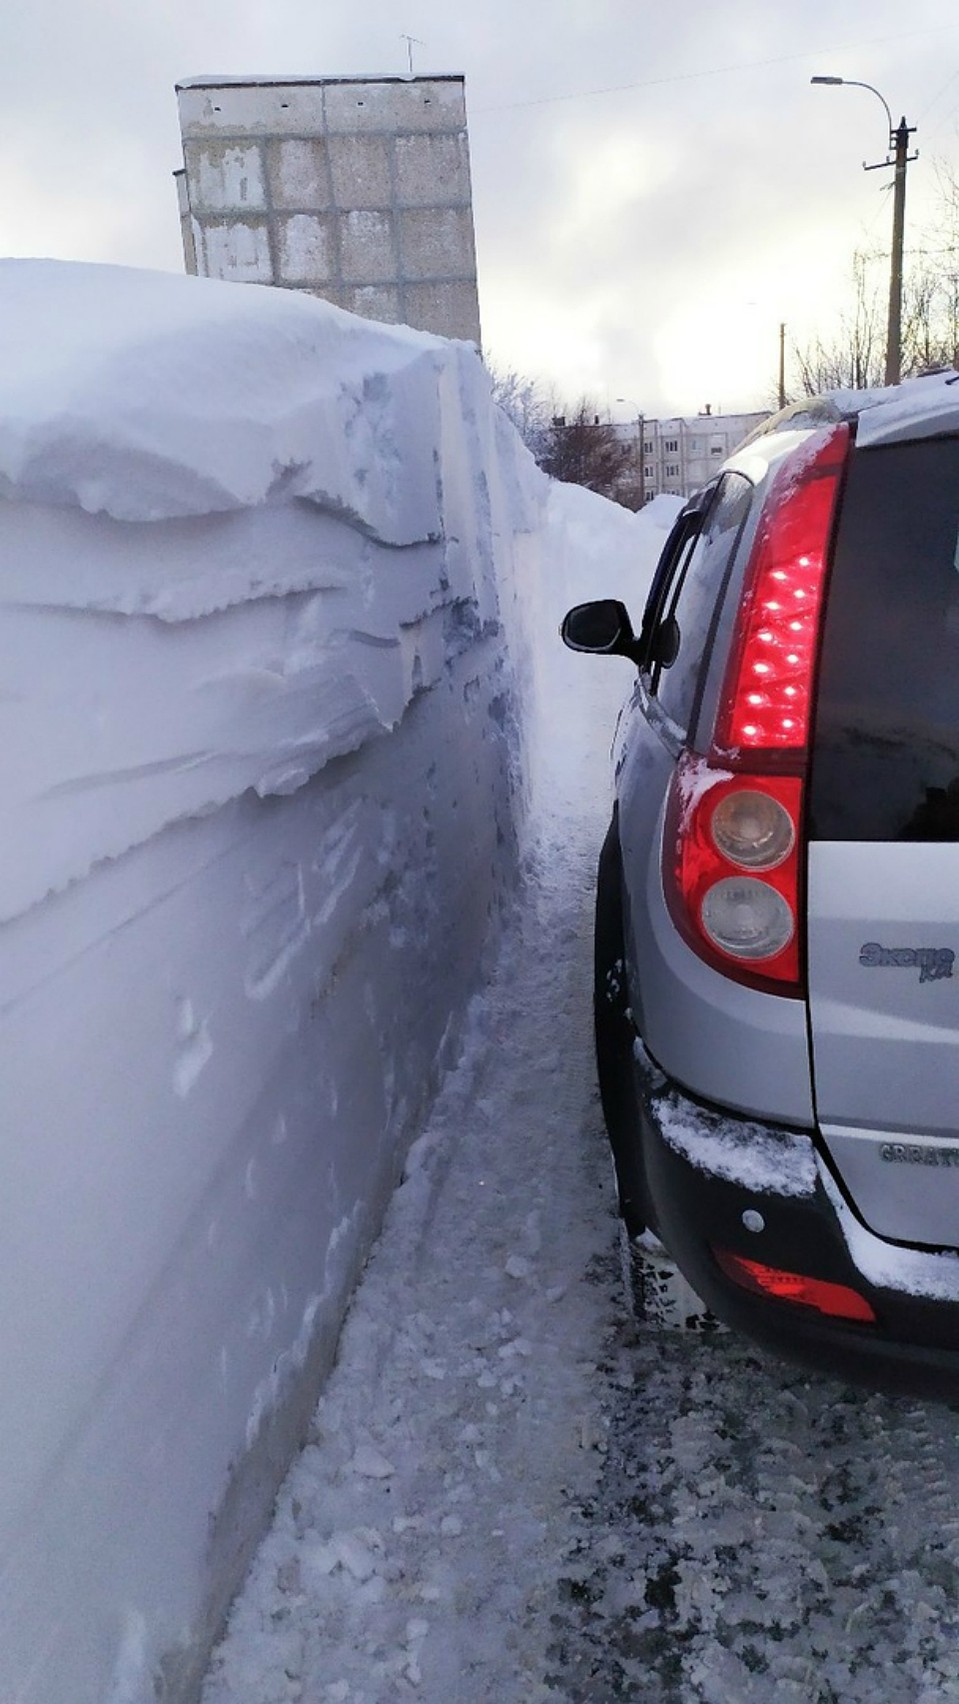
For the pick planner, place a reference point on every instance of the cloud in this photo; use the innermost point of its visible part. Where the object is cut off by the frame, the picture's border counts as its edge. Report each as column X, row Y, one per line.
column 642, row 242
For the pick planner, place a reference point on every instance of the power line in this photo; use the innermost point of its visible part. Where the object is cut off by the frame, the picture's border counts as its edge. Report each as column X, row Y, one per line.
column 937, row 97
column 715, row 71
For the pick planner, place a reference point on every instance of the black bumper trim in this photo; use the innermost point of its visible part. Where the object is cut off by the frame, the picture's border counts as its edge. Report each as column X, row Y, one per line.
column 699, row 1205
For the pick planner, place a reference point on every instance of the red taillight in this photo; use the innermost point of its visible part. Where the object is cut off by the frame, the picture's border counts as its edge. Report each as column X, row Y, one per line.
column 740, row 910
column 836, row 1300
column 768, row 682
column 737, row 905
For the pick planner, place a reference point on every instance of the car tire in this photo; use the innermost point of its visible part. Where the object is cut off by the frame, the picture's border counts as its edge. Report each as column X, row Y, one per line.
column 614, row 1035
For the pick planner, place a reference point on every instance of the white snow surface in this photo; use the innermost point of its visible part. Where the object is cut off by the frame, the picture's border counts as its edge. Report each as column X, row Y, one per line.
column 908, row 1270
column 274, row 583
column 418, row 1539
column 775, row 1162
column 149, row 397
column 916, row 408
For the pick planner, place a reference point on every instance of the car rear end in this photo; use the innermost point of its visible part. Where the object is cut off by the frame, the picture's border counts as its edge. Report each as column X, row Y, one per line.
column 795, row 954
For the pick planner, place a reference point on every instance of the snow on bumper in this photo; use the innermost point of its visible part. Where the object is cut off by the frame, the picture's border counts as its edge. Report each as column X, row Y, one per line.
column 719, row 1185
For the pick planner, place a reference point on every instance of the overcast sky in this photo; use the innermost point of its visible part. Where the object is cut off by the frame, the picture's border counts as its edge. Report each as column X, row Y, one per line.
column 656, row 185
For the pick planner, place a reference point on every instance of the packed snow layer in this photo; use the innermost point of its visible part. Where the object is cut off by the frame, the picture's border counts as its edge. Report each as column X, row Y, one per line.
column 272, row 584
column 755, row 1156
column 422, row 1540
column 148, row 398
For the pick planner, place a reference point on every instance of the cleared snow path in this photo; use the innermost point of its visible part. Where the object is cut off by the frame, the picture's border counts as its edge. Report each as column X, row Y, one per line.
column 513, row 1492
column 421, row 1540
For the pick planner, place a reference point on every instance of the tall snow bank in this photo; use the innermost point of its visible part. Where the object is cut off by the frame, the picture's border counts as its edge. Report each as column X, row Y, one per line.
column 148, row 399
column 265, row 671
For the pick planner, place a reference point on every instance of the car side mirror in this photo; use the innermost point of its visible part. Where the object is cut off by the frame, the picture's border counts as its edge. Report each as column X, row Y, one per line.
column 602, row 627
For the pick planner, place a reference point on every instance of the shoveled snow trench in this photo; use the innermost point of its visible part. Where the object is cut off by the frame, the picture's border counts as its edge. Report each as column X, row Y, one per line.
column 514, row 1491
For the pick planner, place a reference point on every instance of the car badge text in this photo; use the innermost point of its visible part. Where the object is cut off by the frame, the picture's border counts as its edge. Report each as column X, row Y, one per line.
column 932, row 963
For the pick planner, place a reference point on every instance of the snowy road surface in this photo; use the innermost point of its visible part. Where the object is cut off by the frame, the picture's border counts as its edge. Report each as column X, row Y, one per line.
column 513, row 1492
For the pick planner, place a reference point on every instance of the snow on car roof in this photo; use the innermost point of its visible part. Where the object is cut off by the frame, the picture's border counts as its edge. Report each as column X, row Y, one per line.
column 918, row 408
column 922, row 407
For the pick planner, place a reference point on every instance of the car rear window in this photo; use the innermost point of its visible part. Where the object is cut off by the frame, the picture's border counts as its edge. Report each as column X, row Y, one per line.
column 886, row 743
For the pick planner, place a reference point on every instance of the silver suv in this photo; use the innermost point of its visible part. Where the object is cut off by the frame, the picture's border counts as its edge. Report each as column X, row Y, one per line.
column 777, row 1004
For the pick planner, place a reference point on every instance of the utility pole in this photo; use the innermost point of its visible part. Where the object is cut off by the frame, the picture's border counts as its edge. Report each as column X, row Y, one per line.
column 894, row 334
column 782, row 363
column 899, row 144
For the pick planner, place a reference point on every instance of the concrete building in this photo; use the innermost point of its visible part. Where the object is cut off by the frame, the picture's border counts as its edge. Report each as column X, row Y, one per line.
column 682, row 453
column 356, row 189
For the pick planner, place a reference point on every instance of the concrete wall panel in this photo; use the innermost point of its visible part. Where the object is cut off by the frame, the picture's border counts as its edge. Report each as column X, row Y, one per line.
column 307, row 249
column 360, row 167
column 376, row 301
column 250, row 108
column 367, row 248
column 238, row 250
column 361, row 185
column 443, row 308
column 298, row 174
column 225, row 177
column 436, row 243
column 432, row 170
column 391, row 105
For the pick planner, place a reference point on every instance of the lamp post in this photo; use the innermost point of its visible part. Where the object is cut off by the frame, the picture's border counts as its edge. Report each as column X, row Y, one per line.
column 899, row 144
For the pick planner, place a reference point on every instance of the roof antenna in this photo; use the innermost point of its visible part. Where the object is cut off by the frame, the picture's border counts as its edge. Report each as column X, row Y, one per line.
column 411, row 41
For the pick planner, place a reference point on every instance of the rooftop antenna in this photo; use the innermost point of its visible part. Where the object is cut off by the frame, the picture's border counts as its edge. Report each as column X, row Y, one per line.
column 411, row 42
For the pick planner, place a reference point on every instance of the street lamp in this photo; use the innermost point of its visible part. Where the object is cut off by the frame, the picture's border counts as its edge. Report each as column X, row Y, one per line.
column 899, row 143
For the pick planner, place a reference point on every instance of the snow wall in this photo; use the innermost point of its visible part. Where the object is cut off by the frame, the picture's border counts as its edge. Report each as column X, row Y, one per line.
column 262, row 712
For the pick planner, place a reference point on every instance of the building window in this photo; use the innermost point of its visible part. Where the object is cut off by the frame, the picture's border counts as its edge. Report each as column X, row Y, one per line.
column 671, row 445
column 647, row 473
column 672, row 470
column 716, row 450
column 648, row 446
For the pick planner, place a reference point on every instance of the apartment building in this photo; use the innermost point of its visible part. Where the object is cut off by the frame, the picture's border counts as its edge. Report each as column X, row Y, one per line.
column 681, row 453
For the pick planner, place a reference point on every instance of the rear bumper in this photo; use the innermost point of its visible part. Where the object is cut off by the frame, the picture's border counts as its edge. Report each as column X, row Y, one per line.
column 706, row 1169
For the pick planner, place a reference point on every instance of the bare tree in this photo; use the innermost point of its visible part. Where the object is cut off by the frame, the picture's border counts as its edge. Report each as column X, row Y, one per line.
column 931, row 286
column 528, row 404
column 585, row 450
column 853, row 358
column 574, row 445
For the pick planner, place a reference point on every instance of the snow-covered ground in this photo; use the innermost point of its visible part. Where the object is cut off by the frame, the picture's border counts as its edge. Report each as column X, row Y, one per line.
column 514, row 1489
column 420, row 1539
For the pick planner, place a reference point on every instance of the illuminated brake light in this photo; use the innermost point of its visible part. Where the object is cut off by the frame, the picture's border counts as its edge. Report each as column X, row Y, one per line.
column 733, row 852
column 837, row 1301
column 766, row 701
